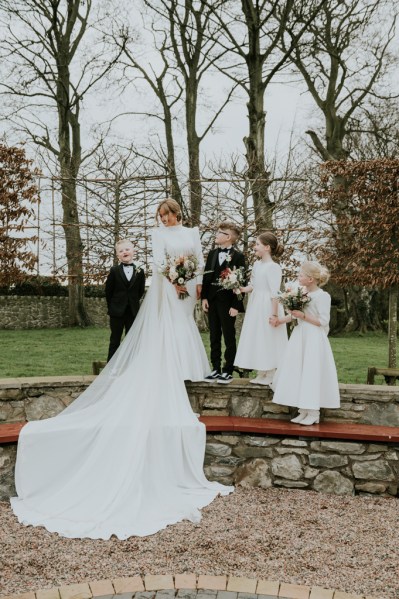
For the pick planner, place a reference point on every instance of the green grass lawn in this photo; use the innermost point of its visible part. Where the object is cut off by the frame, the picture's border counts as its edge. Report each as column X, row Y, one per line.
column 71, row 351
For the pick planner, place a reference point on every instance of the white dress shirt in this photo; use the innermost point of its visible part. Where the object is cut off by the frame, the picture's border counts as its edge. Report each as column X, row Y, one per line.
column 223, row 254
column 128, row 270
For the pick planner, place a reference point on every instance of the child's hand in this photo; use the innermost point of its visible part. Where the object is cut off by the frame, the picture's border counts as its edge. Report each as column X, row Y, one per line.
column 298, row 314
column 233, row 312
column 205, row 305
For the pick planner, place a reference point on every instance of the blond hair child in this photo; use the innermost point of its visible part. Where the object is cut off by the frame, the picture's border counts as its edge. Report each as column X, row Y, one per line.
column 307, row 376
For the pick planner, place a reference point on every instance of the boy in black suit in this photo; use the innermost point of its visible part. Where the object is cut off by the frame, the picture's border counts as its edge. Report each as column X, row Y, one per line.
column 124, row 288
column 222, row 305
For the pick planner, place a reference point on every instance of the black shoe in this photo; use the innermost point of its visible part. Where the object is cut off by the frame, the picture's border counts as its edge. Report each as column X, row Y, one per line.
column 215, row 374
column 225, row 378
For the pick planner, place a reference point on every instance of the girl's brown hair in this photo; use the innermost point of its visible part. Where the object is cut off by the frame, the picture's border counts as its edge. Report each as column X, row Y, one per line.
column 169, row 205
column 269, row 238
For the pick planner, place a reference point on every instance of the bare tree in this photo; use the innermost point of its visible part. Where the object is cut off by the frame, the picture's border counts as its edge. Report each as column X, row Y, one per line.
column 192, row 34
column 45, row 80
column 376, row 133
column 343, row 58
column 122, row 189
column 164, row 84
column 253, row 37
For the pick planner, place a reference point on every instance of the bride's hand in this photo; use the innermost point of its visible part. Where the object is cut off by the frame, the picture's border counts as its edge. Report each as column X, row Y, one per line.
column 199, row 289
column 180, row 289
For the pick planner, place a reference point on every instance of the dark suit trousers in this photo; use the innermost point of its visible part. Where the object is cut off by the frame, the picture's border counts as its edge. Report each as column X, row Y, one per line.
column 220, row 322
column 117, row 324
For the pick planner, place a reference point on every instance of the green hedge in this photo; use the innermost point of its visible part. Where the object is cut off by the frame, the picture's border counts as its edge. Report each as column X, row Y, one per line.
column 47, row 286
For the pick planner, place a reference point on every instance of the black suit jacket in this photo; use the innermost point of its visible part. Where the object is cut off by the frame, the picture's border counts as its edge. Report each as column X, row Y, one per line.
column 121, row 293
column 213, row 292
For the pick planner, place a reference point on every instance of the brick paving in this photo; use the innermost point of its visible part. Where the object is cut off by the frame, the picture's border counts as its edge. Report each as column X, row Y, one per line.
column 185, row 586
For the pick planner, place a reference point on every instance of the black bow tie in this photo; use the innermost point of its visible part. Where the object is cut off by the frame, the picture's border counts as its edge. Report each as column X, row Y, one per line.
column 124, row 264
column 224, row 250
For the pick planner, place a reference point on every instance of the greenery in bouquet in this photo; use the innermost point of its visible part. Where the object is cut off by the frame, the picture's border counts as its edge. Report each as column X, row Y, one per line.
column 179, row 270
column 232, row 279
column 294, row 297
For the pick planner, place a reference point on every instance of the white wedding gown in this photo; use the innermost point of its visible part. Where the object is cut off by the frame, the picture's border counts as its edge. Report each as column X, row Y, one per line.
column 126, row 457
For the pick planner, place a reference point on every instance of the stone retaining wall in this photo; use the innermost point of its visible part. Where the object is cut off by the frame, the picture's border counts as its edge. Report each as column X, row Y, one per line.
column 41, row 312
column 255, row 460
column 343, row 468
column 362, row 404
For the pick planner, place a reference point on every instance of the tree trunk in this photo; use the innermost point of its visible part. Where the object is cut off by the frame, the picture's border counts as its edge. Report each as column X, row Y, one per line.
column 255, row 141
column 193, row 145
column 175, row 191
column 392, row 326
column 117, row 221
column 69, row 161
column 74, row 254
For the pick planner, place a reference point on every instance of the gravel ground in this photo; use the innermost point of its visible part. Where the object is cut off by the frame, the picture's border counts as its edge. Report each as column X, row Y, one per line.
column 346, row 543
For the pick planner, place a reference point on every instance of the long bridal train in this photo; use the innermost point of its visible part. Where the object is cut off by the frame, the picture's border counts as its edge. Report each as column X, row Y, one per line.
column 126, row 457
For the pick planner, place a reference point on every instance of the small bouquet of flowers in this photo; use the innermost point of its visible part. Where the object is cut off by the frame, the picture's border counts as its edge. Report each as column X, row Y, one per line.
column 179, row 270
column 294, row 297
column 232, row 279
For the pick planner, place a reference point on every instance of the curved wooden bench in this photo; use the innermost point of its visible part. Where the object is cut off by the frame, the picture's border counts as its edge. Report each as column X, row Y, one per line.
column 324, row 430
column 9, row 432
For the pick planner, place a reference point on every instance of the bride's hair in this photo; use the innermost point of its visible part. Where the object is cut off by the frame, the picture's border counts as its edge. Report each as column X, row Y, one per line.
column 169, row 205
column 316, row 271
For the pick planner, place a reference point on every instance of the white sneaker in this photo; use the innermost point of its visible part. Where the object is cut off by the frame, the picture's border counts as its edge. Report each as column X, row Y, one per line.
column 225, row 378
column 312, row 417
column 301, row 416
column 211, row 378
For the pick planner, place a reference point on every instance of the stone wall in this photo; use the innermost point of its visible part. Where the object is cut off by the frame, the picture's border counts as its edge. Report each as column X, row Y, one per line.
column 363, row 404
column 342, row 468
column 38, row 312
column 253, row 460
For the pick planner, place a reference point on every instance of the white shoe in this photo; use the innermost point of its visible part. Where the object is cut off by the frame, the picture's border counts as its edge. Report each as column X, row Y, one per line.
column 260, row 381
column 312, row 417
column 264, row 377
column 301, row 416
column 259, row 375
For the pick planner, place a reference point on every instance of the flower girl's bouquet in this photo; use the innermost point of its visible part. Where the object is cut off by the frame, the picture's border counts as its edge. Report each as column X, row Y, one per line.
column 179, row 270
column 232, row 279
column 294, row 297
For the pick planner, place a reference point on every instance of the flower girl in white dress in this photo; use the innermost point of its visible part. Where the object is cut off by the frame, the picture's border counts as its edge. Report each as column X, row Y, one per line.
column 261, row 345
column 307, row 377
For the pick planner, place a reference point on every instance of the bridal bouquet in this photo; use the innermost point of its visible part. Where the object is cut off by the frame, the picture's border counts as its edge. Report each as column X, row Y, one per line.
column 232, row 279
column 294, row 297
column 179, row 270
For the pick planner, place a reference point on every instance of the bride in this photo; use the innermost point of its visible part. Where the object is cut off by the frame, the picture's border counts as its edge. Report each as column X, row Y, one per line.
column 126, row 457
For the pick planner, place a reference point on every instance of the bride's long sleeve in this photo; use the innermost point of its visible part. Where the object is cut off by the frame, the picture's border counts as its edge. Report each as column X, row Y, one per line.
column 158, row 250
column 198, row 254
